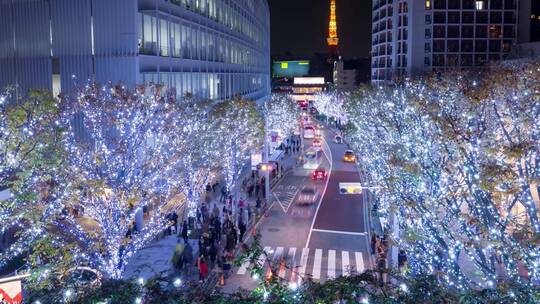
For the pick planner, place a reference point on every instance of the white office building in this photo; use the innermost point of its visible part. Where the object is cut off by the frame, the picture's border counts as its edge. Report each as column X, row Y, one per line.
column 411, row 37
column 213, row 49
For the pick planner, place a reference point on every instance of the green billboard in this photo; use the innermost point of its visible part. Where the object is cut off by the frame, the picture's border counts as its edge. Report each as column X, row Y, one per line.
column 293, row 68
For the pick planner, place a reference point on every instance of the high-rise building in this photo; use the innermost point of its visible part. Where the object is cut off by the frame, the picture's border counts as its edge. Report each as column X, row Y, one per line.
column 332, row 40
column 417, row 36
column 212, row 49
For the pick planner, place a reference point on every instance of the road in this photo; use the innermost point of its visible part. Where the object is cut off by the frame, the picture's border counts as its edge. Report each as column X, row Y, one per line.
column 324, row 240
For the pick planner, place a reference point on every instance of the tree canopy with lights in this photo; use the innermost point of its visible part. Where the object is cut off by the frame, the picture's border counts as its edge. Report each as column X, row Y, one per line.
column 282, row 114
column 456, row 159
column 30, row 154
column 237, row 127
column 125, row 158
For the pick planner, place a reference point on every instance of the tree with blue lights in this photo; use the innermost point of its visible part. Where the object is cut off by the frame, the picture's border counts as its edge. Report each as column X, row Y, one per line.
column 455, row 158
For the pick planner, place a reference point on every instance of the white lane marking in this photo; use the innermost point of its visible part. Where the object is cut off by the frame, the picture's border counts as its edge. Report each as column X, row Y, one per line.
column 331, row 161
column 339, row 232
column 359, row 262
column 331, row 264
column 279, row 202
column 290, row 257
column 345, row 264
column 316, row 273
column 303, row 261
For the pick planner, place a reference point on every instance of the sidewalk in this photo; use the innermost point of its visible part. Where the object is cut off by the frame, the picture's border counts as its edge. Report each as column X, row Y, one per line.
column 155, row 259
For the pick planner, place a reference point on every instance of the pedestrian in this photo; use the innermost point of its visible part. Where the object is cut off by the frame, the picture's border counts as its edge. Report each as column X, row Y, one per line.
column 402, row 259
column 185, row 231
column 223, row 194
column 258, row 205
column 174, row 218
column 203, row 269
column 178, row 257
column 242, row 227
column 257, row 188
column 213, row 254
column 199, row 220
column 188, row 257
column 373, row 242
column 215, row 211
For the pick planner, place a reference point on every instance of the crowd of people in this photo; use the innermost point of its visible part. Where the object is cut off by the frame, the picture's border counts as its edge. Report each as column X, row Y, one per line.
column 220, row 225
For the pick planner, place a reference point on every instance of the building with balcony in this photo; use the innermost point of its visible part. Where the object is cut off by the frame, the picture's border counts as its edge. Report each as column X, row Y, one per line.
column 212, row 49
column 416, row 36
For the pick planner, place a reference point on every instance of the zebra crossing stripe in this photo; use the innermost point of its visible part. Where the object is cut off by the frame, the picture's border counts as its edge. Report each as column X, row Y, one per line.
column 317, row 264
column 262, row 257
column 359, row 262
column 331, row 264
column 243, row 269
column 290, row 258
column 278, row 254
column 345, row 263
column 303, row 261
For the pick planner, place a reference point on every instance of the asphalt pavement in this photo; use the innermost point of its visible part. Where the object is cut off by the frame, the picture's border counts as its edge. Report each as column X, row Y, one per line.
column 323, row 240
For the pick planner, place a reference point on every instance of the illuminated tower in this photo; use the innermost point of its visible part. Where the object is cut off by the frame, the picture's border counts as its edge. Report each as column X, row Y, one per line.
column 332, row 39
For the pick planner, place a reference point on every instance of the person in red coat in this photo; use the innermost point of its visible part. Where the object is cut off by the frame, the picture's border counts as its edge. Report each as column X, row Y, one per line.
column 203, row 269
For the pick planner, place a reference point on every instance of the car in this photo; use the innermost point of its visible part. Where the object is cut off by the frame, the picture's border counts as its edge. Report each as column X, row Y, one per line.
column 308, row 195
column 317, row 143
column 349, row 156
column 309, row 132
column 319, row 174
column 338, row 139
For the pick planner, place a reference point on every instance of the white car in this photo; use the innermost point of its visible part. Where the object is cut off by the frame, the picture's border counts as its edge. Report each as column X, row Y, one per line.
column 338, row 139
column 309, row 132
column 308, row 195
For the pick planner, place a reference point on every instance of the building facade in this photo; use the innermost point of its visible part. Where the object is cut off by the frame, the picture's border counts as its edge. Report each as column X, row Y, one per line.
column 212, row 49
column 416, row 36
column 345, row 78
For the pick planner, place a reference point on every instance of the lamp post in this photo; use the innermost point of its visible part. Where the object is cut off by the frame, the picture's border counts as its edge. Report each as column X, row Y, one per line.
column 266, row 152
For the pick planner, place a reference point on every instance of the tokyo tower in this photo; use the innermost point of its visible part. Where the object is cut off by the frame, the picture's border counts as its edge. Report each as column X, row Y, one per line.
column 332, row 39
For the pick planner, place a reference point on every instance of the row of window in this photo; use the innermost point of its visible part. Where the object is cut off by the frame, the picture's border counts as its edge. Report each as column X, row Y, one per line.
column 491, row 31
column 439, row 60
column 469, row 46
column 471, row 4
column 240, row 19
column 159, row 36
column 214, row 86
column 472, row 17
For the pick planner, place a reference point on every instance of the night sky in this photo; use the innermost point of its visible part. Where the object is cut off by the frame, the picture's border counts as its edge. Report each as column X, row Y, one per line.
column 301, row 27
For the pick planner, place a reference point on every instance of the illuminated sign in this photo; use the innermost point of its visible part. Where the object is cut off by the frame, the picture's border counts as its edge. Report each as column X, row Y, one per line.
column 308, row 80
column 350, row 188
column 296, row 68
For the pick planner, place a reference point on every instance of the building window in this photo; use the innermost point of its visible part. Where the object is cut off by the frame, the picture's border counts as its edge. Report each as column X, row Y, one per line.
column 479, row 5
column 428, row 4
column 428, row 19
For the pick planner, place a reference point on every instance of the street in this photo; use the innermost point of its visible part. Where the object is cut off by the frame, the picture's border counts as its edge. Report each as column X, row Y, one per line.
column 323, row 240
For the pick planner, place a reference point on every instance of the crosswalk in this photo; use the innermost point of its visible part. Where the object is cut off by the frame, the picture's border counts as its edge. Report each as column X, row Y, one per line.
column 320, row 264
